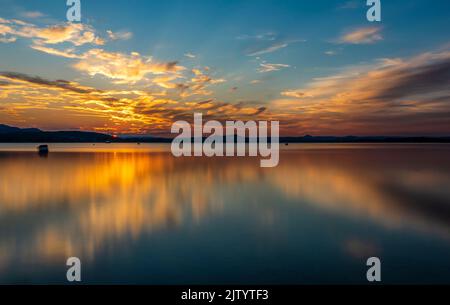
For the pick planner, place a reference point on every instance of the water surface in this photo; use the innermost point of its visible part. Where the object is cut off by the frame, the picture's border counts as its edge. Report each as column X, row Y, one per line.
column 135, row 214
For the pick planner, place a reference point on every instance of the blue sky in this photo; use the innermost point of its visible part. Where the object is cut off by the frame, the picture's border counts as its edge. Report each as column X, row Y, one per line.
column 259, row 50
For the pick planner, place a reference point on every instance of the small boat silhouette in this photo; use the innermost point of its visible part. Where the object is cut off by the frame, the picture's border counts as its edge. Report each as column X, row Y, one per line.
column 43, row 149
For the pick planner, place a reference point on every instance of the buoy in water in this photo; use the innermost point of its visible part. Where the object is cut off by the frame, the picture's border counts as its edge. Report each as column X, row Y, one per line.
column 43, row 149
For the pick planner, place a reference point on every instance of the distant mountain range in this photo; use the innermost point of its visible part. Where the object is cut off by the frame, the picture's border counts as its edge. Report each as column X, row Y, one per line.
column 9, row 134
column 9, row 129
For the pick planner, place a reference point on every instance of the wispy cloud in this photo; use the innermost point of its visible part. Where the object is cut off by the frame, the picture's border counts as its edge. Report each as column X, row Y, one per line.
column 294, row 93
column 268, row 36
column 61, row 84
column 67, row 53
column 268, row 67
column 189, row 55
column 365, row 35
column 120, row 67
column 269, row 49
column 120, row 35
column 76, row 33
column 413, row 92
column 7, row 39
column 265, row 43
column 199, row 82
column 351, row 4
column 117, row 66
column 32, row 14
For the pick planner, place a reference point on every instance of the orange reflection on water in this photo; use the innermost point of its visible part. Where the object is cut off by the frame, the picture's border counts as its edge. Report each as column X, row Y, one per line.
column 396, row 186
column 72, row 204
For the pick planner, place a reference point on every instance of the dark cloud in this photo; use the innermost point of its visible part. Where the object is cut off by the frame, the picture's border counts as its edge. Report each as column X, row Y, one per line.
column 408, row 96
column 62, row 84
column 59, row 84
column 171, row 66
column 408, row 81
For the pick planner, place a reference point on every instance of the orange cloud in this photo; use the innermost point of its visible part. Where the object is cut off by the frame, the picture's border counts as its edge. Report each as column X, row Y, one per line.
column 391, row 96
column 293, row 93
column 64, row 103
column 68, row 53
column 364, row 35
column 123, row 67
column 76, row 33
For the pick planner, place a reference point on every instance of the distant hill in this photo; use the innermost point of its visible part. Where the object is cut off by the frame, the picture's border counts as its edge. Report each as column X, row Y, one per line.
column 9, row 134
column 364, row 139
column 8, row 129
column 313, row 139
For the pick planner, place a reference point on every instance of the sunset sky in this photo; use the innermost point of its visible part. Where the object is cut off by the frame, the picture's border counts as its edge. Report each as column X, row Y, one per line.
column 135, row 67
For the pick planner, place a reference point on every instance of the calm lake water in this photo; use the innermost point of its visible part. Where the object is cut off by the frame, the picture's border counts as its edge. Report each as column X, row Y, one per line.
column 134, row 214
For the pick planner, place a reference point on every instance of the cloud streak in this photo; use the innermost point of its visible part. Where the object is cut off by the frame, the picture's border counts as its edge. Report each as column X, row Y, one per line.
column 365, row 35
column 265, row 67
column 76, row 33
column 391, row 96
column 264, row 43
column 269, row 49
column 104, row 110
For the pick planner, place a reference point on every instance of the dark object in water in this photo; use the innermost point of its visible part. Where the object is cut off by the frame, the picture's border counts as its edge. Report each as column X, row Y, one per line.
column 43, row 149
column 287, row 144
